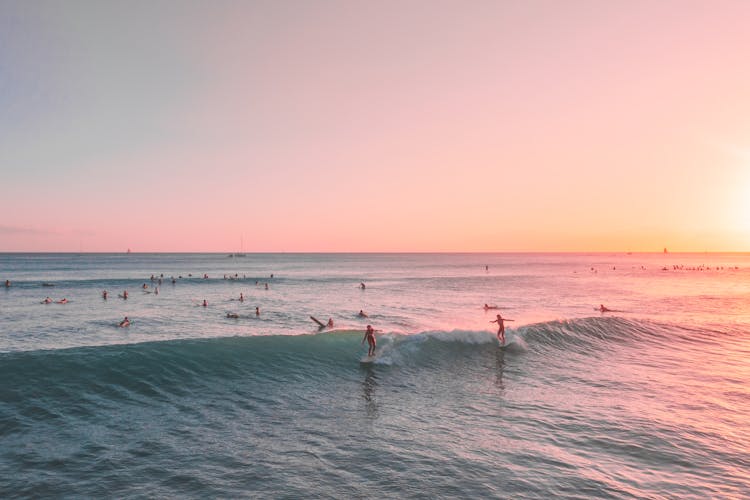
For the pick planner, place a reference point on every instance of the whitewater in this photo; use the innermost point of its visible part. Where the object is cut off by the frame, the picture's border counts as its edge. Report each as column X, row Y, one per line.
column 649, row 400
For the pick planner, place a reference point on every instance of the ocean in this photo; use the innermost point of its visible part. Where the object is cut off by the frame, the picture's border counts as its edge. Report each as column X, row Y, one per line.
column 649, row 400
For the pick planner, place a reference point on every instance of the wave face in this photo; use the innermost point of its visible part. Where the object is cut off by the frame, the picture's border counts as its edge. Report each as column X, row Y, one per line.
column 587, row 407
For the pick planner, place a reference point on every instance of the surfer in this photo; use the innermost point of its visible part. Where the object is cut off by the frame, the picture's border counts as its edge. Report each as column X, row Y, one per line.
column 242, row 297
column 486, row 307
column 330, row 323
column 501, row 328
column 603, row 309
column 125, row 322
column 104, row 294
column 233, row 315
column 62, row 301
column 370, row 338
column 124, row 294
column 257, row 311
column 7, row 283
column 47, row 301
column 205, row 303
column 362, row 314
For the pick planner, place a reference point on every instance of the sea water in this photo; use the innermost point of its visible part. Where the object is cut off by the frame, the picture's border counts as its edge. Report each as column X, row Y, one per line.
column 650, row 400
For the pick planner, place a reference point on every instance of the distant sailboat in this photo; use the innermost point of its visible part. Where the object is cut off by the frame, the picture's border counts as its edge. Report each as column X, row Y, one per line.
column 241, row 253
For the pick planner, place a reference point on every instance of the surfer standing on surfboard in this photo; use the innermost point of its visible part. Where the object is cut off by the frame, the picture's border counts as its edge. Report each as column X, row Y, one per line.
column 370, row 338
column 500, row 328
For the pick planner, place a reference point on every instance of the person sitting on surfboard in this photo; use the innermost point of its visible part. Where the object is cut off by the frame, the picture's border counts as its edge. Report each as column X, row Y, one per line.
column 500, row 328
column 125, row 322
column 603, row 309
column 362, row 314
column 489, row 307
column 370, row 338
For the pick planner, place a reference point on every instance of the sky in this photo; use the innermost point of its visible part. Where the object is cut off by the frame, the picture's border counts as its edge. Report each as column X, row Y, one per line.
column 388, row 126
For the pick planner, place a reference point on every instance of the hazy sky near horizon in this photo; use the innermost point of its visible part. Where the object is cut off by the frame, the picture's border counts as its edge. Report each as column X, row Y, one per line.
column 374, row 126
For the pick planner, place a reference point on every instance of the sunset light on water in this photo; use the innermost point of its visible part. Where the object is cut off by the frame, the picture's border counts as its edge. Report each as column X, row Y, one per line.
column 541, row 209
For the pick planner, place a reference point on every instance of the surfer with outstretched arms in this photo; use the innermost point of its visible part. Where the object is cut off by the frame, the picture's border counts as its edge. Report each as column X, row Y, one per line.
column 501, row 328
column 370, row 338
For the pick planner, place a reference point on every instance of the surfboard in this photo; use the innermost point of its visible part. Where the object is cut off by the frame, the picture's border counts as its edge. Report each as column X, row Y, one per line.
column 367, row 360
column 322, row 325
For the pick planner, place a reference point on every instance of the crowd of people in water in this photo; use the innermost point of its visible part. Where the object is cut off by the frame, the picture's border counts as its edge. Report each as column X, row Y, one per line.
column 156, row 282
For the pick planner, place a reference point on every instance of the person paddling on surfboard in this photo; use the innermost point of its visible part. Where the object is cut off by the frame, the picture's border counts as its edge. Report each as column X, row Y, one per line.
column 603, row 309
column 501, row 328
column 125, row 322
column 370, row 338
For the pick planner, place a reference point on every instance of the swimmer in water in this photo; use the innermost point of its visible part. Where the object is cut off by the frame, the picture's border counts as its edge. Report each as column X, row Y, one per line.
column 125, row 322
column 257, row 311
column 104, row 294
column 362, row 286
column 125, row 294
column 242, row 297
column 7, row 283
column 47, row 301
column 603, row 309
column 233, row 315
column 370, row 338
column 205, row 303
column 62, row 301
column 362, row 314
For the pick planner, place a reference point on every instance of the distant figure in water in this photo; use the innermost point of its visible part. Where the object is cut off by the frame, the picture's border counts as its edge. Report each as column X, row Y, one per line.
column 7, row 283
column 125, row 322
column 362, row 314
column 330, row 323
column 205, row 303
column 266, row 286
column 500, row 328
column 603, row 309
column 233, row 315
column 362, row 286
column 486, row 307
column 370, row 338
column 242, row 297
column 144, row 286
column 47, row 301
column 125, row 294
column 62, row 301
column 257, row 311
column 156, row 290
column 104, row 294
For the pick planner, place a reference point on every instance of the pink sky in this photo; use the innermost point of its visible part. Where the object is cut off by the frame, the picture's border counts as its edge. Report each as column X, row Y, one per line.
column 380, row 126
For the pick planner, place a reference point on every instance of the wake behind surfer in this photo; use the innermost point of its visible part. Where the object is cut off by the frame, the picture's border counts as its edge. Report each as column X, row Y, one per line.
column 370, row 338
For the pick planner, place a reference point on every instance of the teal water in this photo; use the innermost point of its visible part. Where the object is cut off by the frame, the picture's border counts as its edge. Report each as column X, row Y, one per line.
column 650, row 402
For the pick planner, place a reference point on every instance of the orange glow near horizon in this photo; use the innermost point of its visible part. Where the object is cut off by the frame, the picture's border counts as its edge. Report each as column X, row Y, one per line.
column 421, row 127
